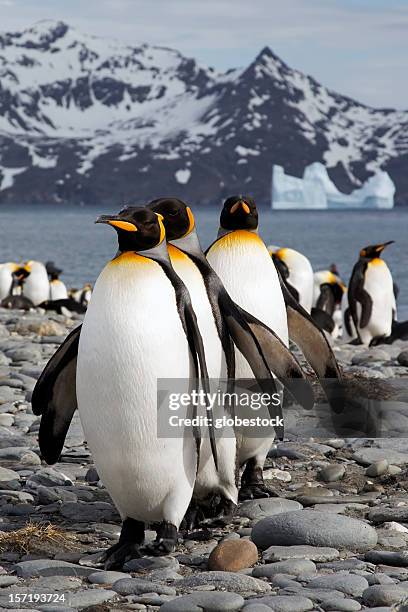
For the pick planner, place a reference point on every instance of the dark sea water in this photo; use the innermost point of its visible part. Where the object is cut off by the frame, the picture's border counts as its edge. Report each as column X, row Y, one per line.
column 69, row 237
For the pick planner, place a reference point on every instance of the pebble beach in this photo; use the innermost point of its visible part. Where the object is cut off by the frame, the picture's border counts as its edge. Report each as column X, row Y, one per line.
column 335, row 537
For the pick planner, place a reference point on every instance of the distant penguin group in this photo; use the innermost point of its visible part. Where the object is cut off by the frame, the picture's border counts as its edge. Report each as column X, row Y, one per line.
column 33, row 284
column 161, row 309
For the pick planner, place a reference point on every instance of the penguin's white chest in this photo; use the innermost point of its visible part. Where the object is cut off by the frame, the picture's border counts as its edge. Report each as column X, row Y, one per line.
column 379, row 285
column 37, row 287
column 6, row 281
column 131, row 336
column 192, row 278
column 246, row 269
column 301, row 278
column 58, row 290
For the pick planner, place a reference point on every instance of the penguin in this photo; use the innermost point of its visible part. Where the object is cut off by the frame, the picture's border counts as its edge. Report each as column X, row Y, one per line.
column 6, row 278
column 85, row 295
column 58, row 290
column 64, row 306
column 225, row 324
column 36, row 286
column 328, row 294
column 297, row 272
column 140, row 327
column 17, row 302
column 242, row 261
column 371, row 295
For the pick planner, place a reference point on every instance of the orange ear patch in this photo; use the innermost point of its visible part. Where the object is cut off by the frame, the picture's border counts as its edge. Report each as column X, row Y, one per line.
column 124, row 225
column 191, row 220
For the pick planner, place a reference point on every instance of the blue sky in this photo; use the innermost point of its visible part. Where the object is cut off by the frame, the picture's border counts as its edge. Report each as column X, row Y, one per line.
column 357, row 47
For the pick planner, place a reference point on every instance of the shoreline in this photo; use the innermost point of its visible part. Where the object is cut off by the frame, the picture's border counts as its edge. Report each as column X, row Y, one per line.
column 351, row 485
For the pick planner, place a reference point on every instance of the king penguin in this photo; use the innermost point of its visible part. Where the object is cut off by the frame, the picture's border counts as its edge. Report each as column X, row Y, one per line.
column 242, row 261
column 222, row 324
column 139, row 327
column 297, row 271
column 371, row 295
column 328, row 294
column 7, row 270
column 36, row 286
column 58, row 290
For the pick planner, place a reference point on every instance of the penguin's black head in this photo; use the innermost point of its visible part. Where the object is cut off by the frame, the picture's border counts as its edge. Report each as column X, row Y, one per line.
column 138, row 228
column 177, row 217
column 239, row 212
column 373, row 251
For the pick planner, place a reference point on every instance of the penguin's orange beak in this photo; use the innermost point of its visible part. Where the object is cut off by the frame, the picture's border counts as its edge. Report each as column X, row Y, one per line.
column 240, row 204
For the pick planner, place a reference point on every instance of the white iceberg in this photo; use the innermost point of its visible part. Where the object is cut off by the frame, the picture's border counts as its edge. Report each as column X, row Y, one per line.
column 315, row 190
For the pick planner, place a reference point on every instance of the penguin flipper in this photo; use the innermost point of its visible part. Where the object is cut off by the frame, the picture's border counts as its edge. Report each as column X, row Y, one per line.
column 278, row 358
column 197, row 346
column 54, row 397
column 311, row 340
column 366, row 307
column 325, row 300
column 323, row 319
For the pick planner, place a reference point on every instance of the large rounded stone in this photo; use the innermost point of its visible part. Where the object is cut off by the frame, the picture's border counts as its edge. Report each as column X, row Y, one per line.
column 205, row 602
column 233, row 555
column 383, row 595
column 403, row 358
column 228, row 581
column 295, row 567
column 314, row 528
column 350, row 584
column 332, row 473
column 267, row 506
column 287, row 603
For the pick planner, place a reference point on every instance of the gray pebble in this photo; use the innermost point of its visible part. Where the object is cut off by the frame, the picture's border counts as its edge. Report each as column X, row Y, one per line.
column 332, row 473
column 6, row 581
column 255, row 607
column 88, row 512
column 48, row 477
column 344, row 564
column 341, row 605
column 367, row 456
column 268, row 506
column 238, row 583
column 50, row 567
column 383, row 514
column 314, row 553
column 106, row 577
column 377, row 469
column 295, row 567
column 403, row 358
column 397, row 559
column 138, row 586
column 205, row 602
column 314, row 528
column 7, row 475
column 350, row 584
column 151, row 563
column 287, row 603
column 89, row 597
column 387, row 595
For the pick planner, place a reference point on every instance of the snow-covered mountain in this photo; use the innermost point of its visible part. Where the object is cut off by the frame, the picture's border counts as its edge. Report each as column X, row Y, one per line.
column 93, row 120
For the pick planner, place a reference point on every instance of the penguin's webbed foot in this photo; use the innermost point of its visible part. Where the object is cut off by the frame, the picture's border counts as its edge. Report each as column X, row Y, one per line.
column 193, row 518
column 166, row 540
column 128, row 547
column 256, row 491
column 252, row 483
column 117, row 555
column 225, row 511
column 355, row 342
